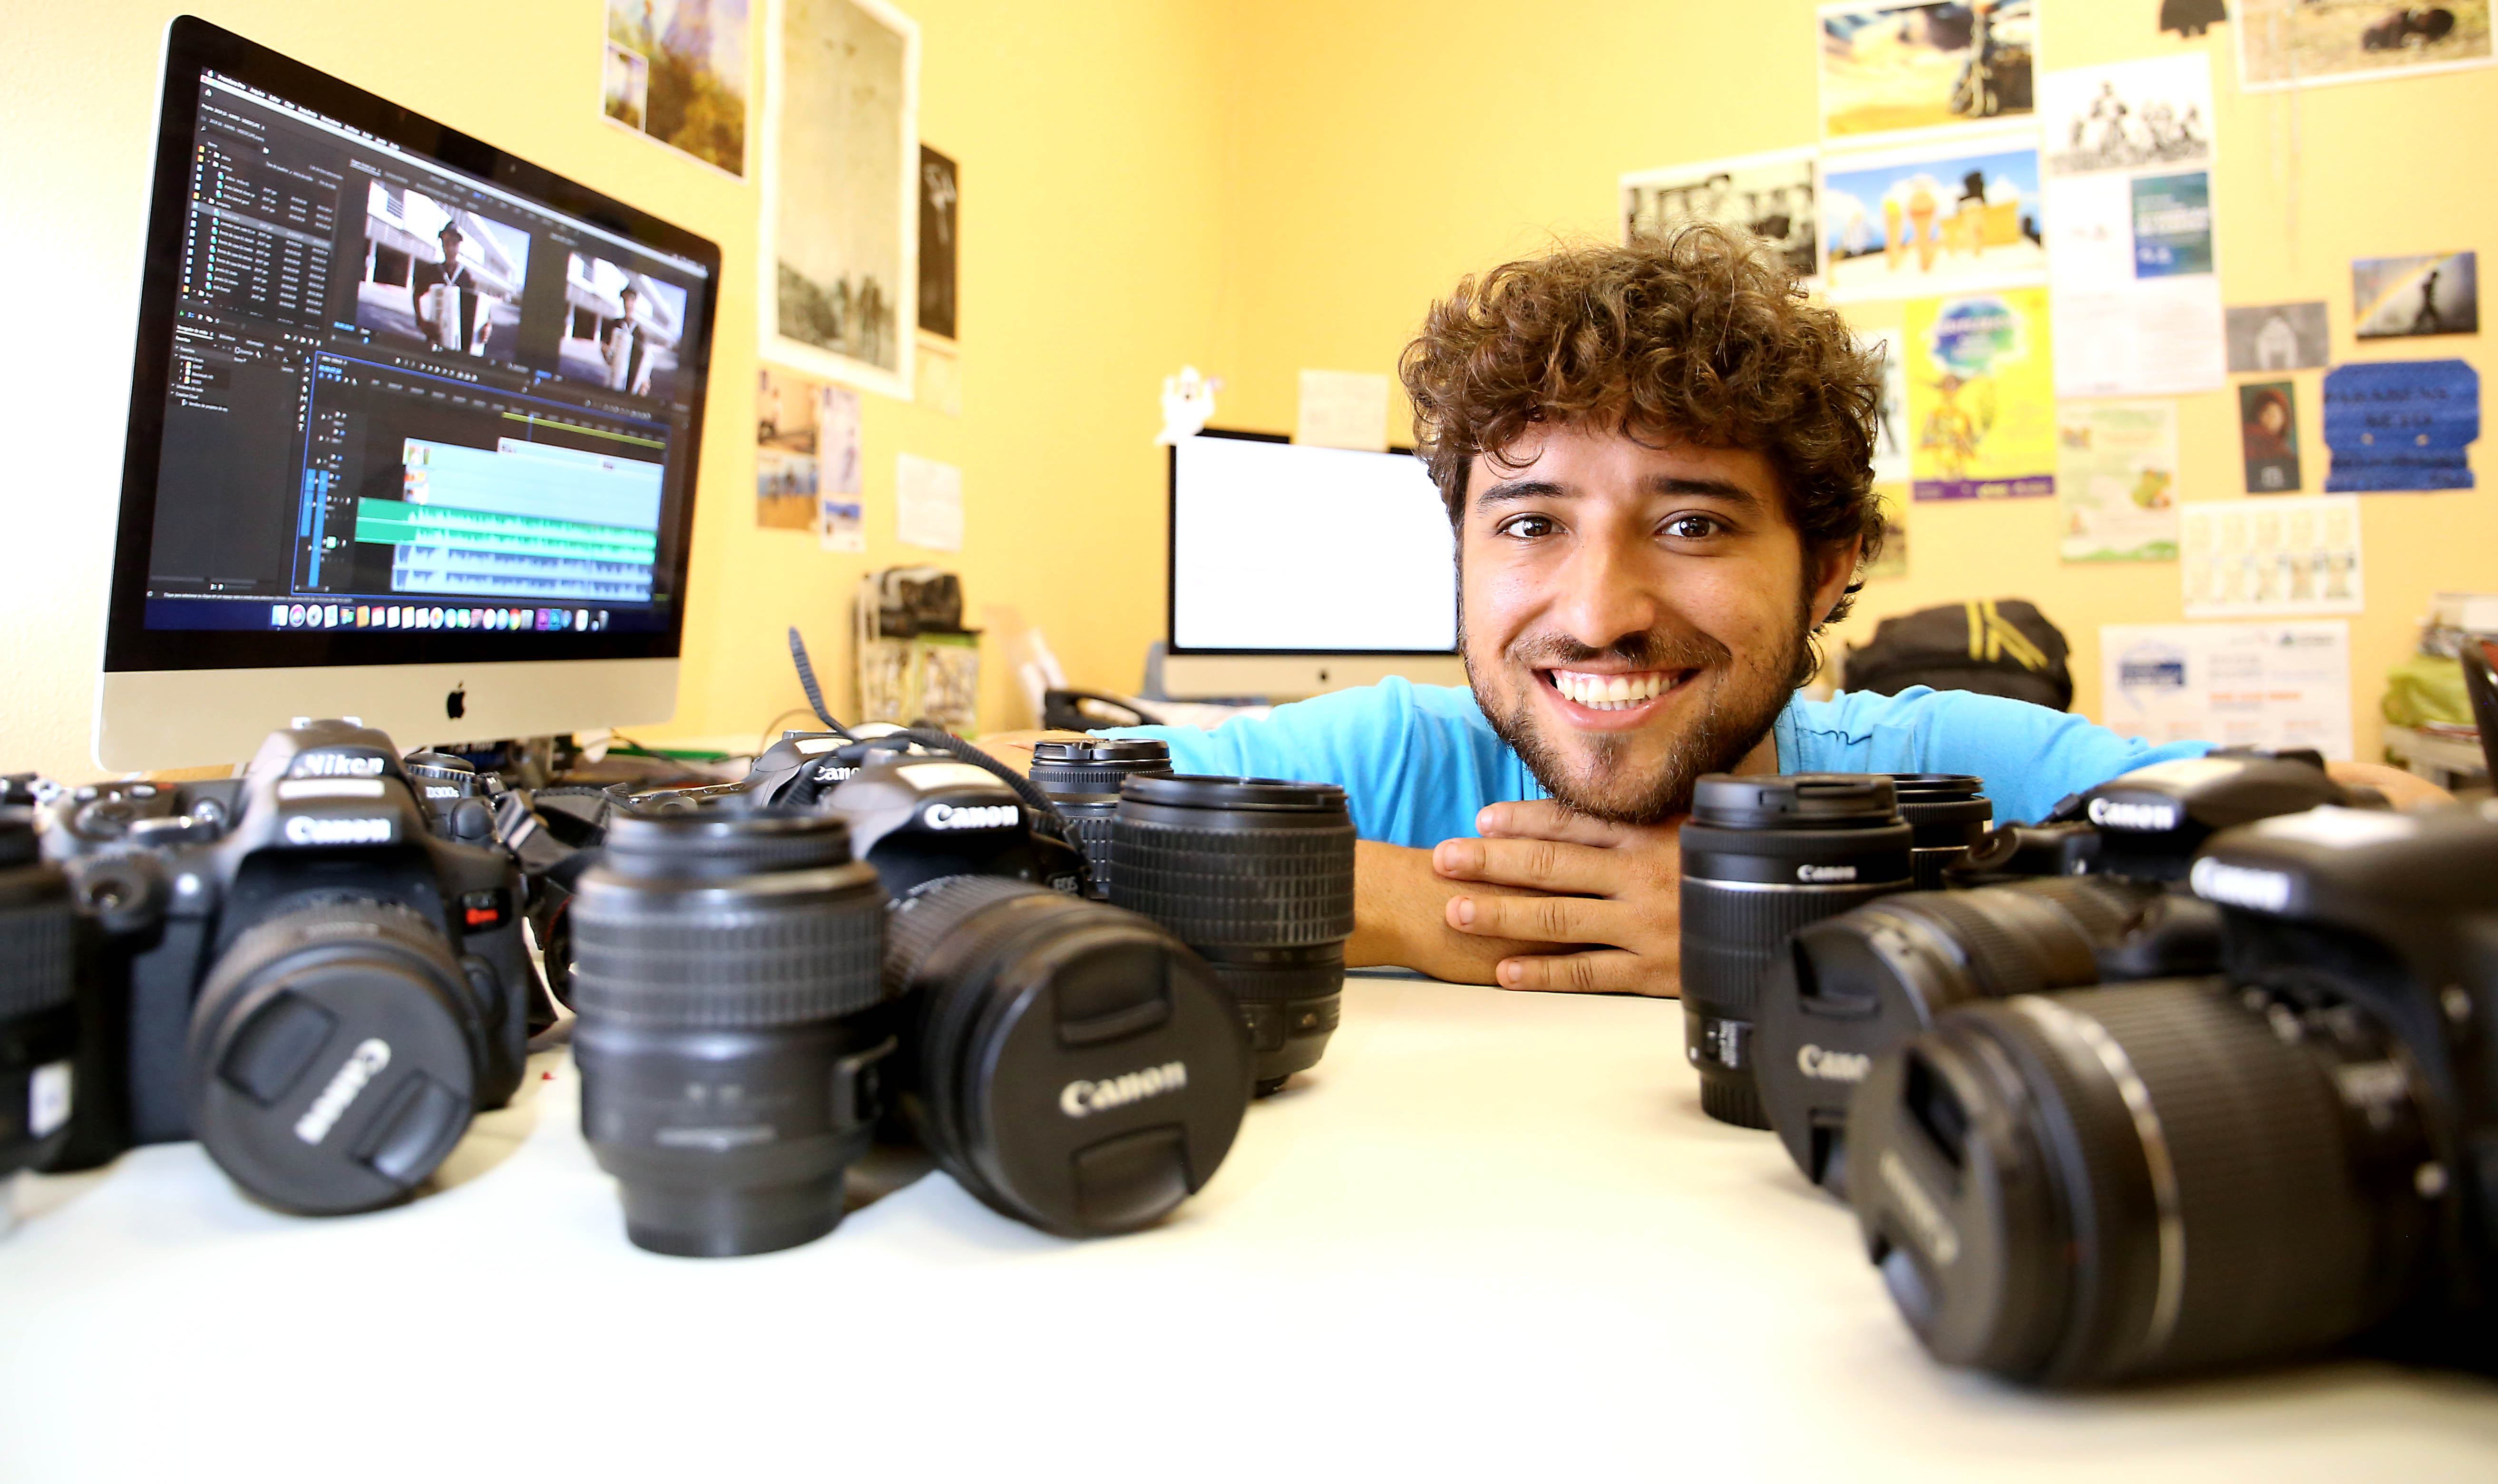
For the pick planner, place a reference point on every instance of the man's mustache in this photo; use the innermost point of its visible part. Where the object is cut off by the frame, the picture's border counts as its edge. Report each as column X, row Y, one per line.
column 1651, row 650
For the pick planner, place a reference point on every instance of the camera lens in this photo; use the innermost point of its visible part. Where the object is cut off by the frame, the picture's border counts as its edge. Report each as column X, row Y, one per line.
column 333, row 1056
column 1090, row 818
column 726, row 964
column 2080, row 1188
column 1947, row 815
column 37, row 1016
column 1095, row 764
column 1851, row 988
column 1255, row 874
column 1762, row 856
column 1073, row 1065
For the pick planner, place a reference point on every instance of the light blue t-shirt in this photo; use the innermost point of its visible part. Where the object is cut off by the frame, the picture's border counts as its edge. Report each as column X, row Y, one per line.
column 1417, row 761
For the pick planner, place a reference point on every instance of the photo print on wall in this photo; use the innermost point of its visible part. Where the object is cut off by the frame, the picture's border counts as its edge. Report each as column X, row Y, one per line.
column 839, row 230
column 676, row 70
column 2295, row 42
column 2433, row 294
column 2127, row 115
column 1891, row 67
column 2278, row 337
column 1931, row 219
column 1770, row 195
column 940, row 199
column 2268, row 433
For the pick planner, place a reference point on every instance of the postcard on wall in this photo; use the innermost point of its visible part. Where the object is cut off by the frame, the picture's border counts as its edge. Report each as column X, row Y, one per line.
column 2116, row 480
column 2237, row 685
column 2295, row 42
column 1933, row 219
column 2401, row 425
column 1893, row 65
column 928, row 503
column 676, row 70
column 786, row 475
column 1877, row 331
column 2249, row 558
column 1768, row 195
column 2130, row 115
column 839, row 226
column 941, row 203
column 841, row 526
column 1981, row 396
column 1892, row 561
column 2278, row 337
column 2434, row 294
column 2268, row 434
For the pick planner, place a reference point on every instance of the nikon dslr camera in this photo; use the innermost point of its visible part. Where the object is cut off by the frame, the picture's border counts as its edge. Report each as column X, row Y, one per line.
column 293, row 968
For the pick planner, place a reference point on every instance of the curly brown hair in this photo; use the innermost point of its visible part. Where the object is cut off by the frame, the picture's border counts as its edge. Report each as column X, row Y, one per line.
column 1699, row 335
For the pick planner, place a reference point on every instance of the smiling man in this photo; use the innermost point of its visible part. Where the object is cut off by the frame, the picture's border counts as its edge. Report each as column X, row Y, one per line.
column 1657, row 459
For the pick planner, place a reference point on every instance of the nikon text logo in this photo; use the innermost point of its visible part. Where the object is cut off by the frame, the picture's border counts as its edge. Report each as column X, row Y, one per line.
column 1825, row 873
column 2116, row 814
column 1833, row 1066
column 973, row 816
column 1082, row 1099
column 306, row 829
column 337, row 765
column 362, row 1066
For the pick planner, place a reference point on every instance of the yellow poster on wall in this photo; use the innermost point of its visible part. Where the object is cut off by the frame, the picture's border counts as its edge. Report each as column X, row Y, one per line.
column 1981, row 396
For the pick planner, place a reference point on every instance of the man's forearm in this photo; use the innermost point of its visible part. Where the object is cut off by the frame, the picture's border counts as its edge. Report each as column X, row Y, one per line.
column 2402, row 790
column 1400, row 917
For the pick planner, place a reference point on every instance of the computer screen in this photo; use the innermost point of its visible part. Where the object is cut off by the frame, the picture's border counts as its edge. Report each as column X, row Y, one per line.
column 400, row 397
column 1278, row 547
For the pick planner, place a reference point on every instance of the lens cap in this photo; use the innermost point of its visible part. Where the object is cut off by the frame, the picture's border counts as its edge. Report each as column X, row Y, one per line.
column 721, row 836
column 1794, row 800
column 1267, row 795
column 1095, row 764
column 330, row 1069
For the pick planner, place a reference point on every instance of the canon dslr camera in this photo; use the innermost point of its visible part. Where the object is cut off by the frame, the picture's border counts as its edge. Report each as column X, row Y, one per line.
column 293, row 968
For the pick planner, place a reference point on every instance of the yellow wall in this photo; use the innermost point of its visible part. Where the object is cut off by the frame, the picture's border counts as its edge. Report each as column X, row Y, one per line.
column 1252, row 185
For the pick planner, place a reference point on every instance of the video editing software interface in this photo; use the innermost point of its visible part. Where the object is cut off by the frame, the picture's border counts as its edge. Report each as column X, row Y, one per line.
column 403, row 398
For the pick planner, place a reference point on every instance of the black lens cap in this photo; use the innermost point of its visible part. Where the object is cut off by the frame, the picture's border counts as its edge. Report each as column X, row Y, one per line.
column 1278, row 795
column 1095, row 765
column 1114, row 1075
column 1794, row 800
column 724, row 835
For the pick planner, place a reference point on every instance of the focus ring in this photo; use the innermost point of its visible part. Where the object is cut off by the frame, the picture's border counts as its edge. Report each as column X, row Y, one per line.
column 1250, row 887
column 2101, row 907
column 739, row 967
column 932, row 918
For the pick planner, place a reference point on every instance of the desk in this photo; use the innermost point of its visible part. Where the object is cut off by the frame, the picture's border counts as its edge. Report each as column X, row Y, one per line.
column 1492, row 1236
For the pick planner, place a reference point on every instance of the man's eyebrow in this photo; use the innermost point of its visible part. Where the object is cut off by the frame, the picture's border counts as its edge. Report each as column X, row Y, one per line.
column 1715, row 489
column 1515, row 490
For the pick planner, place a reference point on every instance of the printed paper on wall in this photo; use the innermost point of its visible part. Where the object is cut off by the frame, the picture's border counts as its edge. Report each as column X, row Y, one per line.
column 1981, row 396
column 1933, row 218
column 1768, row 195
column 2297, row 43
column 2237, row 685
column 2116, row 480
column 2251, row 557
column 2268, row 435
column 1889, row 66
column 2401, row 425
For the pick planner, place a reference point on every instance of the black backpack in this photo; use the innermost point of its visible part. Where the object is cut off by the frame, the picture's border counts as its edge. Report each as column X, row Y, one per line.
column 1995, row 647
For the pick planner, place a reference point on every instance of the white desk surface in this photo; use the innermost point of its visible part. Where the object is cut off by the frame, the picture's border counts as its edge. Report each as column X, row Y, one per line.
column 1492, row 1236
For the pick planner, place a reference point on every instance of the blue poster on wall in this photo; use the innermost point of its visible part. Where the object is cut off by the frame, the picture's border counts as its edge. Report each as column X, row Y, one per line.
column 2172, row 225
column 2401, row 425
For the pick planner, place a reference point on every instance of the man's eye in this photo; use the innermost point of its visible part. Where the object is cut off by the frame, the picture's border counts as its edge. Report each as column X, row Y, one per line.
column 1527, row 527
column 1692, row 527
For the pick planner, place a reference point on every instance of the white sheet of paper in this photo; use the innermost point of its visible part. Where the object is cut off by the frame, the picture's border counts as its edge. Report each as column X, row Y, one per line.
column 2271, row 553
column 927, row 502
column 1343, row 409
column 2245, row 684
column 2159, row 337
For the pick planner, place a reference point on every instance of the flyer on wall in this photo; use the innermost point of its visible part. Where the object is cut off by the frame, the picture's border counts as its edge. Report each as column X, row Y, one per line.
column 2252, row 558
column 2129, row 209
column 2116, row 480
column 1770, row 195
column 2237, row 685
column 1933, row 218
column 1981, row 396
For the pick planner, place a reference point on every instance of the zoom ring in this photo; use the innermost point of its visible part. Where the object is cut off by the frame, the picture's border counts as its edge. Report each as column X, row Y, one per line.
column 932, row 918
column 1730, row 936
column 2101, row 907
column 726, row 970
column 35, row 944
column 1217, row 888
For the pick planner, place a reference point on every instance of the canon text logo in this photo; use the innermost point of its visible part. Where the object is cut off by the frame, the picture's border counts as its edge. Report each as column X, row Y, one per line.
column 362, row 1066
column 972, row 817
column 1082, row 1099
column 2116, row 814
column 2239, row 885
column 306, row 829
column 1833, row 1066
column 1825, row 873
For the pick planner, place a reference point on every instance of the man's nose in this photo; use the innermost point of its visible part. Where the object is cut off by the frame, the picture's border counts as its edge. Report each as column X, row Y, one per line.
column 1604, row 594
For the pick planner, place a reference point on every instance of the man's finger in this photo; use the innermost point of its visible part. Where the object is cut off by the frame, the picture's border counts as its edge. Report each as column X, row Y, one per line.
column 1604, row 971
column 1535, row 918
column 1542, row 818
column 1544, row 865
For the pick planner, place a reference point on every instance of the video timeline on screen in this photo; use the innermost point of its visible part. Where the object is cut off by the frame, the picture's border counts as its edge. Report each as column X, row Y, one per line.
column 414, row 616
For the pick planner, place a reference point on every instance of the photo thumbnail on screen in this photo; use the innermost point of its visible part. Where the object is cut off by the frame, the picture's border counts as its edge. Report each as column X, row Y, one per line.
column 620, row 328
column 440, row 275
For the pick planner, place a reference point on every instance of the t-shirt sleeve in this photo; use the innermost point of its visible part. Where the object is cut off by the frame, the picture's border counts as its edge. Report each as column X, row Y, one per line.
column 1413, row 771
column 2030, row 756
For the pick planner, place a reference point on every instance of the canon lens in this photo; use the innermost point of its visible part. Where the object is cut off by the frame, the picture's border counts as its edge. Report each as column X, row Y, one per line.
column 2080, row 1188
column 1763, row 855
column 1082, row 777
column 727, row 967
column 1851, row 988
column 1947, row 815
column 38, row 1016
column 1255, row 874
column 1071, row 1064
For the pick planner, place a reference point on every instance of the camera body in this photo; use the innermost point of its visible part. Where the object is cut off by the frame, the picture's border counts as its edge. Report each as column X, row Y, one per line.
column 239, row 930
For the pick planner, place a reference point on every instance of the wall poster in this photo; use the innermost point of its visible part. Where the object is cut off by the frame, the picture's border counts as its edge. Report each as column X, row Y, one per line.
column 1981, row 396
column 2237, row 685
column 1894, row 65
column 838, row 228
column 676, row 70
column 1769, row 195
column 2401, row 425
column 1933, row 218
column 2292, row 43
column 2251, row 557
column 2436, row 293
column 2116, row 480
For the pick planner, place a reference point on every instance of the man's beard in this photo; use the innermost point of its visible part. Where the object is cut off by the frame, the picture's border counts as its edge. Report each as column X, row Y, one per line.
column 1738, row 713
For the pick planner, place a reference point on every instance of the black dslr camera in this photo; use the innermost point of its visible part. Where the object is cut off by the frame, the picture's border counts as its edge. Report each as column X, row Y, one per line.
column 2079, row 1188
column 295, row 968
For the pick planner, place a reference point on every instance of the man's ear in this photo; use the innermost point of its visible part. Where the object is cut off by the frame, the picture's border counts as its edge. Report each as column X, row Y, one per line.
column 1837, row 566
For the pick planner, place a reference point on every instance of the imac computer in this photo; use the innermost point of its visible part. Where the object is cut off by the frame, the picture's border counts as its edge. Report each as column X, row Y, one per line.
column 1296, row 569
column 412, row 429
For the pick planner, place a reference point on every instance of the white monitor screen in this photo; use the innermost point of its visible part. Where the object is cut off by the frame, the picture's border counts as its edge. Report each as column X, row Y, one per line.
column 1281, row 547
